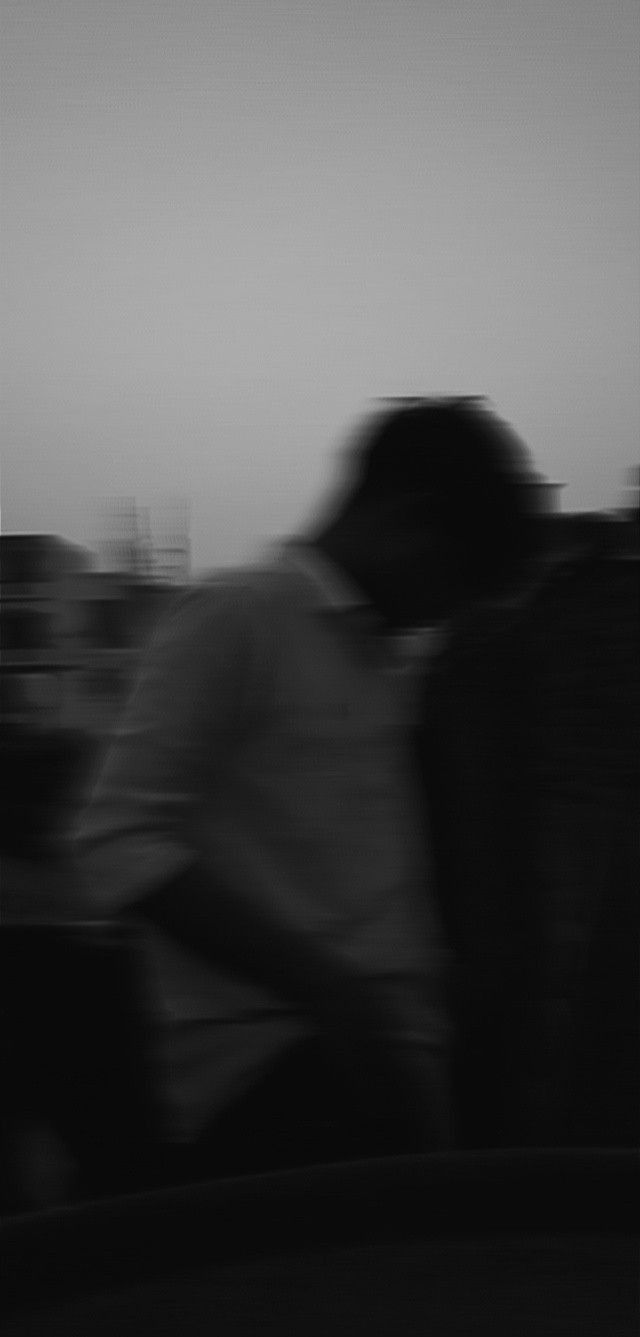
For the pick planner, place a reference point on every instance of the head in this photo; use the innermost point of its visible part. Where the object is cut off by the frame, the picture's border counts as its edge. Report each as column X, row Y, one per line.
column 437, row 512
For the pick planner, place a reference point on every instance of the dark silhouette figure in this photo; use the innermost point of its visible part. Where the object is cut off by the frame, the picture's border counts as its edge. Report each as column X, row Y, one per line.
column 530, row 751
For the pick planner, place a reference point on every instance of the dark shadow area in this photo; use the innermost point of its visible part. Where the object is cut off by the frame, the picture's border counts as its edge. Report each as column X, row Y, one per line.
column 530, row 752
column 494, row 1242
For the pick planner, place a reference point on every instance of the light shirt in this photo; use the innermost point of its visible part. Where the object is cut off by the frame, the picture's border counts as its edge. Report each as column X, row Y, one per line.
column 268, row 701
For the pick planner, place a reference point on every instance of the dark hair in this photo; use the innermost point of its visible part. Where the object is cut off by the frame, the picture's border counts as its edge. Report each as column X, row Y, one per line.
column 476, row 477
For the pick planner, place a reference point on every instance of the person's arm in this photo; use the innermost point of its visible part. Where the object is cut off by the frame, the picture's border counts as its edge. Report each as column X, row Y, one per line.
column 235, row 909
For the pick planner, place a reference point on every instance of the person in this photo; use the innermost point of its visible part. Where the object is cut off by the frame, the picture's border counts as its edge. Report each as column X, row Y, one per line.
column 259, row 808
column 528, row 741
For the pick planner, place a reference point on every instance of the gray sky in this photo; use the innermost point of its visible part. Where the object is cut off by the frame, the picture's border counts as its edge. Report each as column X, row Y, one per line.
column 228, row 224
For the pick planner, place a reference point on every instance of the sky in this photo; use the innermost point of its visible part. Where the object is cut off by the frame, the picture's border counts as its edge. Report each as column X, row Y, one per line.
column 229, row 225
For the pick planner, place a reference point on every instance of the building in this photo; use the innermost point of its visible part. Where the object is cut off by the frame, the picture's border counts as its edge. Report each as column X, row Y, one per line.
column 71, row 634
column 39, row 573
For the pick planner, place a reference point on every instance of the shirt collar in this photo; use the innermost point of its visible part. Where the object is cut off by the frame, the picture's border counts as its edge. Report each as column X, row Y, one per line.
column 335, row 590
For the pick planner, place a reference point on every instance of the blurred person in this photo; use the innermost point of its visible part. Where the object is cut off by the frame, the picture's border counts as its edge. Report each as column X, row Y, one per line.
column 260, row 808
column 528, row 743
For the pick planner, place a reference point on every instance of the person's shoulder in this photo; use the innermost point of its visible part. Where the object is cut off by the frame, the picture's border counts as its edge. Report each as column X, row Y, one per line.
column 235, row 595
column 248, row 586
column 274, row 578
column 189, row 610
